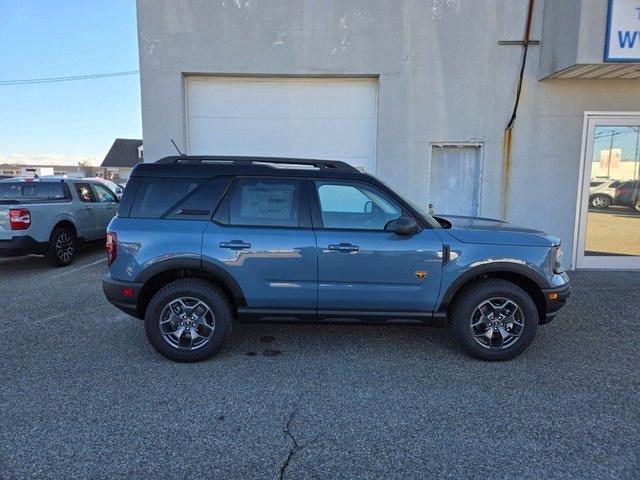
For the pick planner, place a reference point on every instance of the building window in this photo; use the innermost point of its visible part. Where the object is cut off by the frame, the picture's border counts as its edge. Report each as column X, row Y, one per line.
column 455, row 172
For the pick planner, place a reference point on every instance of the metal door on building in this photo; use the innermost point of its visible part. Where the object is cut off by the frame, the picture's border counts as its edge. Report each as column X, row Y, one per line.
column 608, row 220
column 455, row 171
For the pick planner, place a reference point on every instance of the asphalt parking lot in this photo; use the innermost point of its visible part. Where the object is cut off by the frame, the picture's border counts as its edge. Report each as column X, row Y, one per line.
column 83, row 395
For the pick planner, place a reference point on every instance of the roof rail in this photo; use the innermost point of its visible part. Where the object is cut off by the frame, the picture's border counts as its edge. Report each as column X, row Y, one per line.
column 319, row 164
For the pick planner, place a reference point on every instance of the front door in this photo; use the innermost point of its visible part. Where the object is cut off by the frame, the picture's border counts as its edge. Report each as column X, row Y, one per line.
column 262, row 237
column 87, row 212
column 609, row 204
column 364, row 268
column 106, row 206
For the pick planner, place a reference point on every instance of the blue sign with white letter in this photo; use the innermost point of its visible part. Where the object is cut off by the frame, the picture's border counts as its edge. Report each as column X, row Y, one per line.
column 622, row 43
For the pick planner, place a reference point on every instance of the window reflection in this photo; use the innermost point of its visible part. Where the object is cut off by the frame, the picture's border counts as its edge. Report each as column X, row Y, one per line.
column 613, row 218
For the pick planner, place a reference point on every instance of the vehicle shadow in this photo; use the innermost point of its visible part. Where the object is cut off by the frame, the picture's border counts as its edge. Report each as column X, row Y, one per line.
column 38, row 263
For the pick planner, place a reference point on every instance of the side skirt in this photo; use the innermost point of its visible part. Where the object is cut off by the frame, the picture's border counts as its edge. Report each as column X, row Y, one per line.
column 340, row 317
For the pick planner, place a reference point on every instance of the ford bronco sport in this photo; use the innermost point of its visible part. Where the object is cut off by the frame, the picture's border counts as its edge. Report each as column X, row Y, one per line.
column 200, row 241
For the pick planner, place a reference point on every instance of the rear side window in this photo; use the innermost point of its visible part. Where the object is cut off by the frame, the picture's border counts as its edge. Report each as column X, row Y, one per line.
column 262, row 202
column 156, row 196
column 45, row 190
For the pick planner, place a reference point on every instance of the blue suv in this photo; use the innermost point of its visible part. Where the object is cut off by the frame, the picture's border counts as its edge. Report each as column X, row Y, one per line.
column 201, row 241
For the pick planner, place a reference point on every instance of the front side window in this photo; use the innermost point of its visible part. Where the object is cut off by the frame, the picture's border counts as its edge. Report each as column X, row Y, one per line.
column 263, row 202
column 103, row 194
column 85, row 194
column 355, row 206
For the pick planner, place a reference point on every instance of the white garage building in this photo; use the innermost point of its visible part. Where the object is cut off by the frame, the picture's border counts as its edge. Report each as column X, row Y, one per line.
column 419, row 93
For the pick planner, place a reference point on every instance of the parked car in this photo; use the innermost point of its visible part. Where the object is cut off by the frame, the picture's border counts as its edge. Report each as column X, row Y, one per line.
column 114, row 187
column 199, row 241
column 628, row 193
column 51, row 215
column 602, row 192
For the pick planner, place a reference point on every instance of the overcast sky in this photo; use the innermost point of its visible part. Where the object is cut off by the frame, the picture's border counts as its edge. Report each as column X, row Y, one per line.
column 69, row 121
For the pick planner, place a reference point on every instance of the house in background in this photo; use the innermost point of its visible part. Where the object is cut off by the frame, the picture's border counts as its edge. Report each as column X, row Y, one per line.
column 29, row 170
column 123, row 155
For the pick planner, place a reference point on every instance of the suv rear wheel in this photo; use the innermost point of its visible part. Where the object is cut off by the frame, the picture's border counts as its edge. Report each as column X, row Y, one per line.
column 62, row 247
column 494, row 319
column 188, row 320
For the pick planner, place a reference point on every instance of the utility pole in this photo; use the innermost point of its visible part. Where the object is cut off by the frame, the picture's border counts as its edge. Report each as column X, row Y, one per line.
column 613, row 132
column 636, row 170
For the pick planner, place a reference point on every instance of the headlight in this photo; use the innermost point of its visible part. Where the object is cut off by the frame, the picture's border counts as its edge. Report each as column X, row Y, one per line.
column 557, row 259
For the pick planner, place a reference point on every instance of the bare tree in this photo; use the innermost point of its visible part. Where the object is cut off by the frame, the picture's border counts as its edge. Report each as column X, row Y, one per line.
column 88, row 169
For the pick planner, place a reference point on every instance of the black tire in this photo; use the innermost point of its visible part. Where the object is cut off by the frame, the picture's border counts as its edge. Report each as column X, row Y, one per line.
column 194, row 288
column 471, row 297
column 62, row 248
column 600, row 202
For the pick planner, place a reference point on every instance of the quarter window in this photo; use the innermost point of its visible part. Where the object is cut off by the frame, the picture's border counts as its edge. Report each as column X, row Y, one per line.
column 157, row 195
column 355, row 206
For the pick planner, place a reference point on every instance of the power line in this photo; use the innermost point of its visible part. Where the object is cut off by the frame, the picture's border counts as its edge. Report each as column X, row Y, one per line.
column 67, row 79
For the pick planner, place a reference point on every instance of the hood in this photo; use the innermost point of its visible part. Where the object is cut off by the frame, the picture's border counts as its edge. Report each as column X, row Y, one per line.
column 494, row 232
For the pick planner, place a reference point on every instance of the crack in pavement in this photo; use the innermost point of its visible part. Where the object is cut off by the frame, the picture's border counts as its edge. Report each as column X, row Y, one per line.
column 295, row 447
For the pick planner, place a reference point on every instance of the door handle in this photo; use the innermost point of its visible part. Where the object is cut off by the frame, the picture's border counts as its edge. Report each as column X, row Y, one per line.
column 344, row 247
column 235, row 245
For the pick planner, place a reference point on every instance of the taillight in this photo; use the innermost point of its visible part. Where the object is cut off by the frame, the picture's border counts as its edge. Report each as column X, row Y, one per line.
column 111, row 247
column 19, row 218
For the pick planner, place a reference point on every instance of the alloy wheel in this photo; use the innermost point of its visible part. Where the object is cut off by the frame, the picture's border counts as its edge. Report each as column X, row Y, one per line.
column 600, row 202
column 64, row 247
column 497, row 323
column 187, row 323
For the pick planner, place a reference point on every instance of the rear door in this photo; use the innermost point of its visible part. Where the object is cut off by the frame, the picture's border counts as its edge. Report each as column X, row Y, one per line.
column 365, row 270
column 261, row 235
column 88, row 213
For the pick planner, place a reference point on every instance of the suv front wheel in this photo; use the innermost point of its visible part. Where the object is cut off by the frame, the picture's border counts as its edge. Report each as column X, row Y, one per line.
column 188, row 320
column 494, row 319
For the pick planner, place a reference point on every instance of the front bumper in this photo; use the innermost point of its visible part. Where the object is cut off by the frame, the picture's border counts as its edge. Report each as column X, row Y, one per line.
column 114, row 291
column 22, row 245
column 555, row 299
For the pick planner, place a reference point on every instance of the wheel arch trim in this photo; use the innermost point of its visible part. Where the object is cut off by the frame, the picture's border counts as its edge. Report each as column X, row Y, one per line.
column 197, row 264
column 496, row 267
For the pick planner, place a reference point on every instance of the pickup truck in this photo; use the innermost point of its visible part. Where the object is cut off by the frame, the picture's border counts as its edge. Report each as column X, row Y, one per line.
column 50, row 216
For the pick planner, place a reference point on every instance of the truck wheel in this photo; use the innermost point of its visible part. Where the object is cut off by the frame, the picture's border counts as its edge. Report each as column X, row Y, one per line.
column 62, row 247
column 494, row 319
column 188, row 320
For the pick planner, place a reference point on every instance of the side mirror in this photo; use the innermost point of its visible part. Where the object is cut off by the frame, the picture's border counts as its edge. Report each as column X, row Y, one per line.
column 406, row 226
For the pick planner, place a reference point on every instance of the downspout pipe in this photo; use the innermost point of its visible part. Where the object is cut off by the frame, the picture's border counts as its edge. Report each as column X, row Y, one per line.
column 506, row 143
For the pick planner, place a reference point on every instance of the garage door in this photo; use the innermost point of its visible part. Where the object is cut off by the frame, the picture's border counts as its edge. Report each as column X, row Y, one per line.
column 283, row 117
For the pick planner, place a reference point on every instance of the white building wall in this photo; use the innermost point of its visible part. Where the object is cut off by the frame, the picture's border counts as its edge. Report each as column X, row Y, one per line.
column 442, row 78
